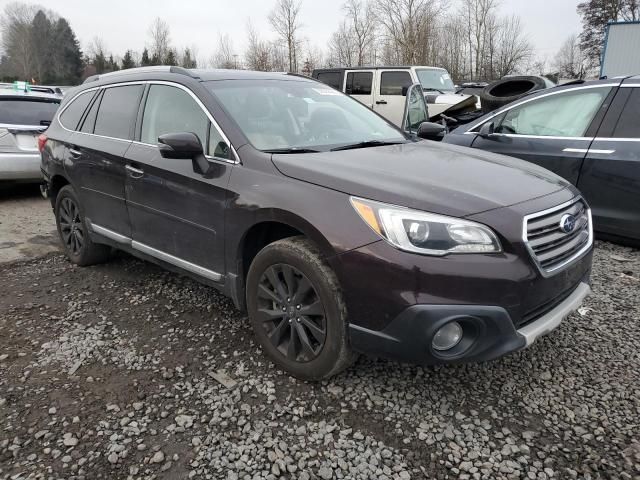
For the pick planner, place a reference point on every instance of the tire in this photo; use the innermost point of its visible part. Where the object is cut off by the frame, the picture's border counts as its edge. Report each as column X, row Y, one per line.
column 73, row 231
column 505, row 91
column 290, row 274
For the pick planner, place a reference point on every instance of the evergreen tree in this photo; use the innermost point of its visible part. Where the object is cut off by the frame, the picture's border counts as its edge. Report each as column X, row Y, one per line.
column 187, row 61
column 170, row 58
column 112, row 65
column 595, row 16
column 127, row 60
column 155, row 60
column 145, row 61
column 42, row 41
column 67, row 56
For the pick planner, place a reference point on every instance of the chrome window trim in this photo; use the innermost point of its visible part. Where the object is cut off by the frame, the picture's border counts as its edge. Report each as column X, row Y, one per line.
column 578, row 254
column 613, row 139
column 154, row 252
column 151, row 82
column 630, row 85
column 527, row 100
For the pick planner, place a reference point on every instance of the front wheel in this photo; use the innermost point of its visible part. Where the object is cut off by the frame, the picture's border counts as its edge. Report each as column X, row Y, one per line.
column 296, row 308
column 73, row 231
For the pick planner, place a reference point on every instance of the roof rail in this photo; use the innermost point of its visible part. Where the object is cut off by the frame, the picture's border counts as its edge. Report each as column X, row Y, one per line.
column 133, row 71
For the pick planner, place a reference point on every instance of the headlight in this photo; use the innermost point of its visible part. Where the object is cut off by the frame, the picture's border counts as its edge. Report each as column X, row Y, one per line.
column 426, row 233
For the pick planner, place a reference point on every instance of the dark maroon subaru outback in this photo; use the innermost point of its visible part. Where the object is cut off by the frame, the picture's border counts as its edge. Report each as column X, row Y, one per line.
column 334, row 230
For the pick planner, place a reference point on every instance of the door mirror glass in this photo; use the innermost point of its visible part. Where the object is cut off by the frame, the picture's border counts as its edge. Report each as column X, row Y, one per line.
column 184, row 145
column 487, row 130
column 431, row 131
column 415, row 109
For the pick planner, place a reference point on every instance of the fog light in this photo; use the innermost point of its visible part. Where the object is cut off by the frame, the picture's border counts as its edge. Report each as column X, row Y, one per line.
column 447, row 337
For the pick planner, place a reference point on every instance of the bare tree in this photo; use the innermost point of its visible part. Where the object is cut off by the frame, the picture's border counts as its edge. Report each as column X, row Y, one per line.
column 480, row 23
column 570, row 61
column 343, row 48
column 362, row 23
column 258, row 53
column 17, row 37
column 284, row 18
column 160, row 39
column 408, row 28
column 512, row 50
column 224, row 56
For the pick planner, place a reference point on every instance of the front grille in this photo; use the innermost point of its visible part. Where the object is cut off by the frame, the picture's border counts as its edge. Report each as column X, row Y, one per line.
column 550, row 245
column 538, row 311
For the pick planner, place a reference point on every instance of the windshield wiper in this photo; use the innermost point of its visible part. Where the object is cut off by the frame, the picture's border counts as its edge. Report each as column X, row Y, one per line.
column 431, row 89
column 292, row 150
column 366, row 144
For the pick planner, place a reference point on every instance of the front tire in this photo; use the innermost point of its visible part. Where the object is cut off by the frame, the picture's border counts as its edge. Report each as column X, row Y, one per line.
column 297, row 311
column 73, row 231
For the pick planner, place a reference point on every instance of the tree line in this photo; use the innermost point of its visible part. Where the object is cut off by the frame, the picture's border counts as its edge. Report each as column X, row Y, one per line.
column 470, row 38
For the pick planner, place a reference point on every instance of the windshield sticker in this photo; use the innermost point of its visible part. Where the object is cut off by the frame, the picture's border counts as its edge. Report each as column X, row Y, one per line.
column 325, row 91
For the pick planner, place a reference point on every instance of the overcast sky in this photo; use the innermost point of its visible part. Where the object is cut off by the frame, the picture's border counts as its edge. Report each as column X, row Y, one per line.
column 124, row 24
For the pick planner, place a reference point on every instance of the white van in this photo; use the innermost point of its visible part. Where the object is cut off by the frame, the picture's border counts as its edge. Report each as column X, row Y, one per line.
column 381, row 88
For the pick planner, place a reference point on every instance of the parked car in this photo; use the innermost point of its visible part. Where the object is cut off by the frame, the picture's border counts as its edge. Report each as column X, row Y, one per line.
column 333, row 229
column 589, row 133
column 23, row 116
column 380, row 88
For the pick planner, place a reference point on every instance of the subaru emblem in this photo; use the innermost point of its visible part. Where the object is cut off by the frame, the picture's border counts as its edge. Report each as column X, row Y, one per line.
column 567, row 223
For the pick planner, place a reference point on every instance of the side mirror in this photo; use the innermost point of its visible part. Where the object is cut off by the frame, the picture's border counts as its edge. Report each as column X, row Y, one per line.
column 431, row 131
column 486, row 130
column 405, row 90
column 185, row 145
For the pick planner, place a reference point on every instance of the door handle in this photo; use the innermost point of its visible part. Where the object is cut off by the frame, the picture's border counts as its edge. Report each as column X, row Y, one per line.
column 75, row 154
column 381, row 102
column 134, row 172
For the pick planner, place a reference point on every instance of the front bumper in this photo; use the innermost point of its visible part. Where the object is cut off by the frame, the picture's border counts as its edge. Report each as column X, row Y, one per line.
column 489, row 332
column 20, row 166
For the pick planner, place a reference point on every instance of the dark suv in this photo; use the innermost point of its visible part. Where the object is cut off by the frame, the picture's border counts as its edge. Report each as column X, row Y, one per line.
column 333, row 229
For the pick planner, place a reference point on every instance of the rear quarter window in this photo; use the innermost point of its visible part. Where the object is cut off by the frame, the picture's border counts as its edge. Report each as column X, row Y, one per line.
column 28, row 111
column 72, row 113
column 628, row 125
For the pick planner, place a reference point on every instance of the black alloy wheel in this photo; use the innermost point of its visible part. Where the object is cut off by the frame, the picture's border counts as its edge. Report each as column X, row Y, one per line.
column 71, row 227
column 291, row 312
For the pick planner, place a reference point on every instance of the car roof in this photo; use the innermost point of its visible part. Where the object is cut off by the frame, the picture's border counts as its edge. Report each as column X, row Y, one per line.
column 378, row 67
column 202, row 75
column 11, row 93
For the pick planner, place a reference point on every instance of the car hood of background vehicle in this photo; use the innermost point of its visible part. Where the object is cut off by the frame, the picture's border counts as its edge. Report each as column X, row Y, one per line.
column 426, row 175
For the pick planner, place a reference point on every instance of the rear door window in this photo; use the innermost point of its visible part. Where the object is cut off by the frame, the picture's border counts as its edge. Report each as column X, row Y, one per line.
column 31, row 112
column 628, row 125
column 90, row 118
column 333, row 79
column 359, row 83
column 72, row 113
column 117, row 113
column 392, row 83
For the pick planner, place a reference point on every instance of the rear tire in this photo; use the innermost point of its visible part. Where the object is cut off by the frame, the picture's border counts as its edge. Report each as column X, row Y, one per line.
column 73, row 231
column 297, row 311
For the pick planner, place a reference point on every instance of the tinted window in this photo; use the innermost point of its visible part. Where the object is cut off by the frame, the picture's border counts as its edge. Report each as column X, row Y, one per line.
column 562, row 115
column 27, row 111
column 117, row 113
column 435, row 79
column 333, row 79
column 391, row 83
column 172, row 110
column 359, row 83
column 73, row 113
column 628, row 125
column 90, row 118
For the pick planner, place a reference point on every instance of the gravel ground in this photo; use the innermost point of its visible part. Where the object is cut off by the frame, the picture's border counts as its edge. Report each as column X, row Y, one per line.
column 27, row 225
column 123, row 370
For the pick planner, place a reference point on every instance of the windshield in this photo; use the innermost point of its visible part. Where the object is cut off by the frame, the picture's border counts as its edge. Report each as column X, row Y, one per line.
column 302, row 115
column 27, row 112
column 435, row 79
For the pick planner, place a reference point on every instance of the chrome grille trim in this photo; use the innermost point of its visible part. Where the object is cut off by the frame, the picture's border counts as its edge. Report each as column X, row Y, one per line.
column 549, row 247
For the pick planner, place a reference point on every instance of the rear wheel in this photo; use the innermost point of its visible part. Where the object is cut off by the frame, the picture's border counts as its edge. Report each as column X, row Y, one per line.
column 73, row 231
column 297, row 311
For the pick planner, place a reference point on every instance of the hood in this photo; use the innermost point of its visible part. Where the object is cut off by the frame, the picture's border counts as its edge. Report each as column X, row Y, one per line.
column 425, row 175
